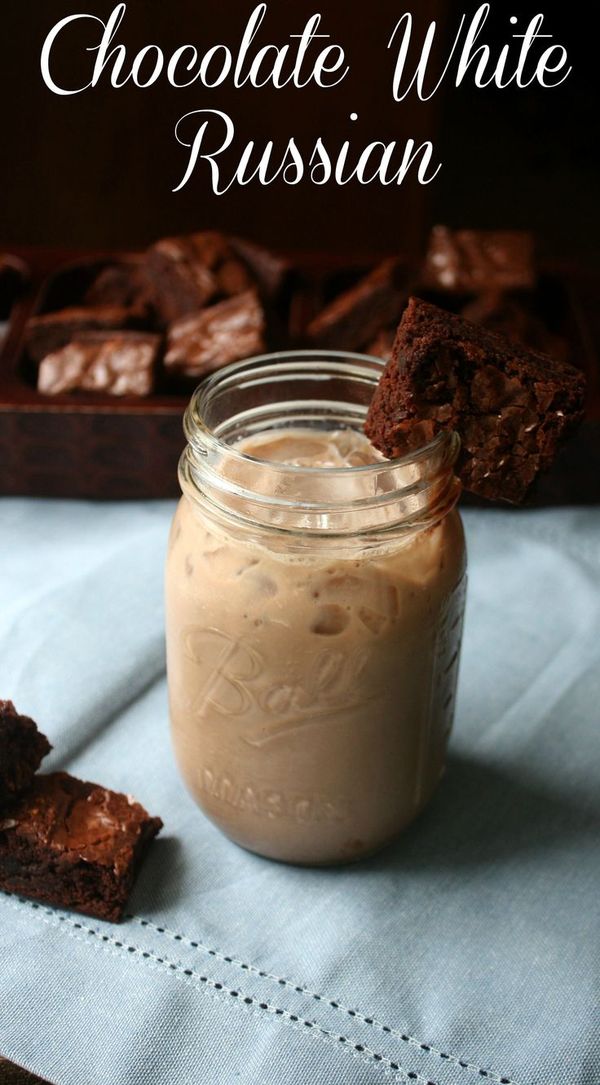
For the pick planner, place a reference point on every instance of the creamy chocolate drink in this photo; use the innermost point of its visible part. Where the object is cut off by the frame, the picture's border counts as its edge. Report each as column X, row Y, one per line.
column 315, row 596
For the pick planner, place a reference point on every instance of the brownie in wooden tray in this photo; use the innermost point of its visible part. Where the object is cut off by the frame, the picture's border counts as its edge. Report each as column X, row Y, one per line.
column 99, row 364
column 49, row 332
column 187, row 306
column 491, row 277
column 478, row 261
column 359, row 317
column 119, row 363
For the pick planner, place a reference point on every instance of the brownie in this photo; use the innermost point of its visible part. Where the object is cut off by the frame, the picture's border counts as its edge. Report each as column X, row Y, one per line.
column 47, row 333
column 121, row 284
column 355, row 317
column 221, row 333
column 119, row 363
column 73, row 844
column 511, row 406
column 514, row 315
column 268, row 271
column 185, row 273
column 472, row 261
column 22, row 748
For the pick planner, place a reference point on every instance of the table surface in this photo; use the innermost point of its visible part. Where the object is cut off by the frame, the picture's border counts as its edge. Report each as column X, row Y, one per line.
column 465, row 952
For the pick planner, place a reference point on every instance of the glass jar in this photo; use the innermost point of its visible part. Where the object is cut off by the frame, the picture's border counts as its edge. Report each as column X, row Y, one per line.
column 315, row 596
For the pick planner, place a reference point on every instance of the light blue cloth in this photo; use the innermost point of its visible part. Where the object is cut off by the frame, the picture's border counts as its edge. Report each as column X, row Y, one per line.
column 467, row 952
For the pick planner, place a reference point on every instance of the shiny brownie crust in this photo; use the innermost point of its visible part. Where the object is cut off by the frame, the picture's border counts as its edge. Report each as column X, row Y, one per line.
column 73, row 844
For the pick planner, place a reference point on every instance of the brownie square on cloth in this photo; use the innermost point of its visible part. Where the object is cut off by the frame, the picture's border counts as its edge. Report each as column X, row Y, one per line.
column 467, row 952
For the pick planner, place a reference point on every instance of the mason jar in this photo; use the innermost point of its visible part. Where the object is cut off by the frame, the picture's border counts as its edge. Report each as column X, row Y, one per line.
column 315, row 597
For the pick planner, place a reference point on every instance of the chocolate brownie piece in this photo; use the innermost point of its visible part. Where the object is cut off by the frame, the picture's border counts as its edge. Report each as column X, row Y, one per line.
column 47, row 333
column 185, row 273
column 471, row 261
column 268, row 271
column 511, row 407
column 222, row 333
column 73, row 844
column 121, row 284
column 119, row 363
column 355, row 317
column 22, row 748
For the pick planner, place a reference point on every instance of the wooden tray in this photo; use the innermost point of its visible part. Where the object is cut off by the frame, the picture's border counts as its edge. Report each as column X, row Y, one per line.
column 88, row 444
column 94, row 445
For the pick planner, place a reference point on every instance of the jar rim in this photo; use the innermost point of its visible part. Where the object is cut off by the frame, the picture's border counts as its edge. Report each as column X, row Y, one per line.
column 320, row 389
column 203, row 439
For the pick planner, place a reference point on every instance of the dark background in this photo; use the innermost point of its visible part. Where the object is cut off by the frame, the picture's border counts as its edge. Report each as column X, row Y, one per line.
column 97, row 169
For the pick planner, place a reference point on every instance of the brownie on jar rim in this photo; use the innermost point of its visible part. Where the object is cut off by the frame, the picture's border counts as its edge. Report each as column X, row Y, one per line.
column 73, row 844
column 22, row 748
column 511, row 406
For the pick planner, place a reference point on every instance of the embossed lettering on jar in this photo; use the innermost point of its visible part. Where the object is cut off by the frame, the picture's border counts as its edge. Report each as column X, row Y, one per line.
column 315, row 596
